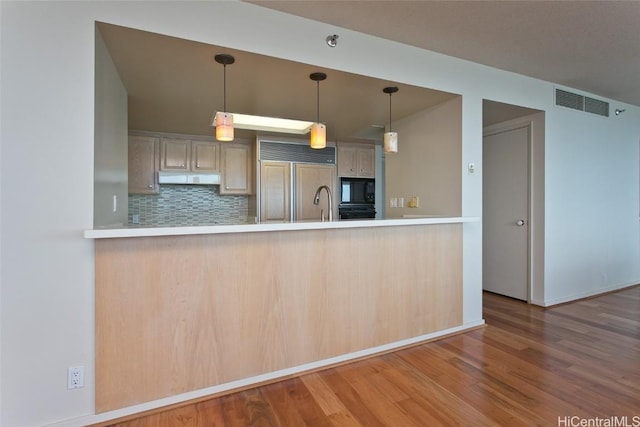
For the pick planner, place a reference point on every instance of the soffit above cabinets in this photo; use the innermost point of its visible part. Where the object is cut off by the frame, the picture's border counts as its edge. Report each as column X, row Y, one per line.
column 180, row 95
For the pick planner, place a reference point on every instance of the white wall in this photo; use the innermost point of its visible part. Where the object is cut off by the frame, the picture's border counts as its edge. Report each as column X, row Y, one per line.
column 47, row 118
column 427, row 164
column 591, row 203
column 110, row 144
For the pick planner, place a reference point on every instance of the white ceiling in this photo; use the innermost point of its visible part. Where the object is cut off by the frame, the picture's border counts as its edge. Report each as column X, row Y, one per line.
column 593, row 46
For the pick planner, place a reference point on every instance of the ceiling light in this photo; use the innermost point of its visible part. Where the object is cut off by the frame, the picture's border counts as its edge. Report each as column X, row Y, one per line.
column 318, row 130
column 223, row 119
column 269, row 124
column 390, row 138
column 619, row 111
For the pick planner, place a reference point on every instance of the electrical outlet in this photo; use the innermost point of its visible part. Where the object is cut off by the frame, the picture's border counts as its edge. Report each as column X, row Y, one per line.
column 75, row 377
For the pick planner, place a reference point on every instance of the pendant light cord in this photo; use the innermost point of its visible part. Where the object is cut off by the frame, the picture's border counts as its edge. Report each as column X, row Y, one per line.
column 224, row 88
column 389, row 112
column 318, row 101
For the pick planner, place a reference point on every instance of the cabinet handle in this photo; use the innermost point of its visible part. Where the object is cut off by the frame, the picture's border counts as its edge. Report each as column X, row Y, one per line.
column 150, row 186
column 197, row 166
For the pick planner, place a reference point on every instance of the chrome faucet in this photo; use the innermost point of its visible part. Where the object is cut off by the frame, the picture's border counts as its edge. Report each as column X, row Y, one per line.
column 316, row 200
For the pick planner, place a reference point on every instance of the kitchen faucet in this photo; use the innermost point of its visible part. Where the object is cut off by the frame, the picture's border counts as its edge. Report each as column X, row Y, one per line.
column 316, row 200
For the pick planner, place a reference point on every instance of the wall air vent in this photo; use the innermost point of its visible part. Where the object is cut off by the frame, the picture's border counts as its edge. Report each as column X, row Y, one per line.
column 581, row 103
column 596, row 106
column 284, row 152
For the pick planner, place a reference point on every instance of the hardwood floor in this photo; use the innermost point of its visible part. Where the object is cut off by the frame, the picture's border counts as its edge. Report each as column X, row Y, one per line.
column 528, row 366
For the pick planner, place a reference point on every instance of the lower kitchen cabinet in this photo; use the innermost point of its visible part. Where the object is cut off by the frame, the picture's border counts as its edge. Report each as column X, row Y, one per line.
column 236, row 171
column 143, row 165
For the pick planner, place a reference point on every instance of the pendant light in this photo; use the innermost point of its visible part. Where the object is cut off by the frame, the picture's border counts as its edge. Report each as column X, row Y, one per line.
column 390, row 138
column 224, row 120
column 318, row 130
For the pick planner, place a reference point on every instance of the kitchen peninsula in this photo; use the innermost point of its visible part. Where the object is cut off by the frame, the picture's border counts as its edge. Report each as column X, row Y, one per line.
column 195, row 311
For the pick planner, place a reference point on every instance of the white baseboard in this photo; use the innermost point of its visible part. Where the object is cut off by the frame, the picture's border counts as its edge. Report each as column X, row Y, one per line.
column 581, row 295
column 271, row 376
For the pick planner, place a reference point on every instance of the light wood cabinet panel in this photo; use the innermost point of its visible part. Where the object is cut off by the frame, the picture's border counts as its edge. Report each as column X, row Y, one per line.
column 356, row 160
column 366, row 162
column 177, row 314
column 205, row 156
column 175, row 154
column 236, row 174
column 143, row 165
column 275, row 191
column 308, row 178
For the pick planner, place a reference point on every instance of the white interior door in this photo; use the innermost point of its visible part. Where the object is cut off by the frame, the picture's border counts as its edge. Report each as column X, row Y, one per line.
column 505, row 213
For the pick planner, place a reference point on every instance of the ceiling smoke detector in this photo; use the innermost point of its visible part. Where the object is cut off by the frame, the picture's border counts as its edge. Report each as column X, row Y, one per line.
column 332, row 40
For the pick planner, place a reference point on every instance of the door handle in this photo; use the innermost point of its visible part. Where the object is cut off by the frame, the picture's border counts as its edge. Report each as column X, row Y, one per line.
column 520, row 222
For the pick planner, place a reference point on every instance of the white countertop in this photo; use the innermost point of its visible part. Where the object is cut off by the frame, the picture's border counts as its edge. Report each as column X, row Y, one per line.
column 106, row 233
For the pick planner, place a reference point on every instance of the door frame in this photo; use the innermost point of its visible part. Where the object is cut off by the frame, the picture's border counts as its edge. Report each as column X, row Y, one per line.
column 536, row 210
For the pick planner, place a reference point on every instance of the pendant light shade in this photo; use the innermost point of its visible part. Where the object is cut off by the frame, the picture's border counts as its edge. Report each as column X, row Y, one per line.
column 390, row 141
column 224, row 120
column 318, row 130
column 318, row 135
column 224, row 126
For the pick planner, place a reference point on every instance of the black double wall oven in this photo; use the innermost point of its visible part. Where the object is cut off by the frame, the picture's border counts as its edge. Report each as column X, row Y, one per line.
column 357, row 198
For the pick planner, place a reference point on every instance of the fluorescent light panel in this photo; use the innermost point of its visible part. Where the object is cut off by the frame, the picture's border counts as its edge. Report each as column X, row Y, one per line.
column 268, row 124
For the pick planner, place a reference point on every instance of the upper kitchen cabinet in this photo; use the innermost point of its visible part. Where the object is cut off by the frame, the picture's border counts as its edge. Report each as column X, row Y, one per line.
column 205, row 156
column 181, row 155
column 143, row 165
column 175, row 154
column 356, row 160
column 236, row 171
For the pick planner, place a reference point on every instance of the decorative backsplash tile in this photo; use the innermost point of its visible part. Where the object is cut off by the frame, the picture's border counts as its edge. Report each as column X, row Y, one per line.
column 187, row 205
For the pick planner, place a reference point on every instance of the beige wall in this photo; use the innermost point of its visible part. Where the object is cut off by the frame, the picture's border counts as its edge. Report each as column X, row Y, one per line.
column 428, row 162
column 110, row 142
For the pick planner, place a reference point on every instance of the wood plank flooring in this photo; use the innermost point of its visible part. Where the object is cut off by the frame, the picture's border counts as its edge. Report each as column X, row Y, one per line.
column 528, row 366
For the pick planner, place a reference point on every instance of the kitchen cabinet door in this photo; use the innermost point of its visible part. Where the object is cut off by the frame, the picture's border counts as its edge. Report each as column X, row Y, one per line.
column 356, row 160
column 366, row 162
column 275, row 191
column 143, row 165
column 308, row 178
column 236, row 171
column 175, row 154
column 347, row 160
column 205, row 156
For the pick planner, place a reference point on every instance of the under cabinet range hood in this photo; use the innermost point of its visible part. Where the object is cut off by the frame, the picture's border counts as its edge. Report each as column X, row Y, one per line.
column 188, row 178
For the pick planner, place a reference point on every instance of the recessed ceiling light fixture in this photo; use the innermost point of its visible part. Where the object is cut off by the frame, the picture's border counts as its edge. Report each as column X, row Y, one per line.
column 223, row 119
column 318, row 130
column 269, row 124
column 390, row 138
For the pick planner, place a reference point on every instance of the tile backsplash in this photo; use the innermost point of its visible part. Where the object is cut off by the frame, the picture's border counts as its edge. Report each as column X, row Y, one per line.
column 187, row 205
